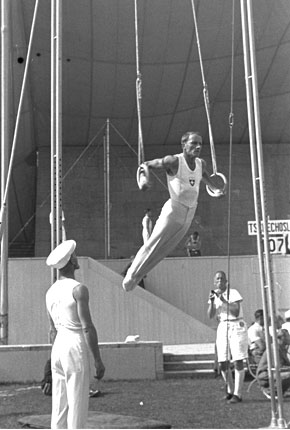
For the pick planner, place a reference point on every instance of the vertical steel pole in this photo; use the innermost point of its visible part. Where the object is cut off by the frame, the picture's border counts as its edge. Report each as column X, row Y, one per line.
column 260, row 206
column 5, row 139
column 268, row 265
column 56, row 126
column 255, row 181
column 107, row 189
column 106, row 196
column 53, row 135
column 58, row 121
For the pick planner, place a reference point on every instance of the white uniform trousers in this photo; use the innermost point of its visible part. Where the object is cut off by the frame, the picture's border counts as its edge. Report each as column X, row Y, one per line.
column 232, row 340
column 70, row 367
column 171, row 226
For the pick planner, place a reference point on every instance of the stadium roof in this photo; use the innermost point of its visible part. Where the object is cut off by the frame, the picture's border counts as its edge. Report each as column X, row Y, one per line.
column 99, row 72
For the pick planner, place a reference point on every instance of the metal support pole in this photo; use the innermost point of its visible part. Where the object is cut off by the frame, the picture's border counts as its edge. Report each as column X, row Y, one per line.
column 5, row 139
column 6, row 171
column 107, row 189
column 58, row 121
column 255, row 182
column 260, row 207
column 56, row 126
column 268, row 262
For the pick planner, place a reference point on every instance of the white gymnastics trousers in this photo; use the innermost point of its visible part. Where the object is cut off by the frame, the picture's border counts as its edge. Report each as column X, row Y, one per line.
column 171, row 226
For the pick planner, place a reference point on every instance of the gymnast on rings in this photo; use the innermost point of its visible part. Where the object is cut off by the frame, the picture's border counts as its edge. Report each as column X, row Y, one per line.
column 184, row 172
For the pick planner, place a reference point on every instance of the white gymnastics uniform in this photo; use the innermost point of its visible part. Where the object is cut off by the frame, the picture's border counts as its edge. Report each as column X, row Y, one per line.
column 232, row 333
column 69, row 359
column 173, row 222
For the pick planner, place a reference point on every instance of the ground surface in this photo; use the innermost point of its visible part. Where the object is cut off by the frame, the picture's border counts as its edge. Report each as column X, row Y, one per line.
column 182, row 403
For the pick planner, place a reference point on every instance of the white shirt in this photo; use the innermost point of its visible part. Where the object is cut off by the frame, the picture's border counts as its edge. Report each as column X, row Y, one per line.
column 61, row 304
column 222, row 308
column 255, row 332
column 184, row 186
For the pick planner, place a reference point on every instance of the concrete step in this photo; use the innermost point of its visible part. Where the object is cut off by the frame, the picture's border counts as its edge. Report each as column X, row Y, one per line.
column 188, row 365
column 187, row 357
column 189, row 361
column 197, row 373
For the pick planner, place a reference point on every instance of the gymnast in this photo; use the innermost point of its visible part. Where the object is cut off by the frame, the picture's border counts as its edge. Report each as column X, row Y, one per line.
column 184, row 172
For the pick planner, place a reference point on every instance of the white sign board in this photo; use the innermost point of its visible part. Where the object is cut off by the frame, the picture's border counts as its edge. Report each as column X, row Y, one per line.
column 279, row 234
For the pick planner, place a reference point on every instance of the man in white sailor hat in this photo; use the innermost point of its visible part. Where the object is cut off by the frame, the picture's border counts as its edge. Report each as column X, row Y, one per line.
column 73, row 334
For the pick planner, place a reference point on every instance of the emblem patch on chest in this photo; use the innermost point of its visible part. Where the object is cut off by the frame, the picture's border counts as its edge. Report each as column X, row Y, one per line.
column 192, row 181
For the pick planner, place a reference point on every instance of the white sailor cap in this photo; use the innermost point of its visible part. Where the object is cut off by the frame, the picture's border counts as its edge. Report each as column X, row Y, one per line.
column 287, row 314
column 60, row 256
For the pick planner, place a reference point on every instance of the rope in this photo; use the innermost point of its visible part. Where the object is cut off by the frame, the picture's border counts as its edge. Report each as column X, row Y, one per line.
column 205, row 93
column 133, row 150
column 231, row 124
column 141, row 155
column 18, row 117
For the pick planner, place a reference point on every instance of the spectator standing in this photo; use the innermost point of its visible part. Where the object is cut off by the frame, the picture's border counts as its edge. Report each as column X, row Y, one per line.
column 232, row 337
column 72, row 334
column 147, row 225
column 193, row 245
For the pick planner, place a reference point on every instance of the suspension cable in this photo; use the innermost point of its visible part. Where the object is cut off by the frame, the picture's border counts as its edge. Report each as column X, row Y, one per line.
column 205, row 93
column 141, row 155
column 231, row 125
column 18, row 117
column 207, row 109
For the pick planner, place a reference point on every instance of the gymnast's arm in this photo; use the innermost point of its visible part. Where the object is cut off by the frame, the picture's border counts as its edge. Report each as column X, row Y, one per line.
column 169, row 163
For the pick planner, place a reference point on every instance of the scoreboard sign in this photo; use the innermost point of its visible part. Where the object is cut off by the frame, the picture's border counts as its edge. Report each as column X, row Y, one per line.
column 279, row 234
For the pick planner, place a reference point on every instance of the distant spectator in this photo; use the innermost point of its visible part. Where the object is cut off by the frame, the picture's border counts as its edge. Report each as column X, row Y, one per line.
column 279, row 322
column 256, row 337
column 193, row 245
column 147, row 225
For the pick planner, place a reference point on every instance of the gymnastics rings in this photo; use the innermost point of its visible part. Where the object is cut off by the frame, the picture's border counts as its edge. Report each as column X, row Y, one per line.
column 224, row 190
column 143, row 177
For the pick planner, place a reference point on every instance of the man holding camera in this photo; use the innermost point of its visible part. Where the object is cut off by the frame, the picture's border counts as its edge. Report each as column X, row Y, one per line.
column 232, row 337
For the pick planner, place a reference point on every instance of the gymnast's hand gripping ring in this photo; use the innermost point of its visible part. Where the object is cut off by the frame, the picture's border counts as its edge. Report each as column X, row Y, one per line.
column 143, row 177
column 221, row 192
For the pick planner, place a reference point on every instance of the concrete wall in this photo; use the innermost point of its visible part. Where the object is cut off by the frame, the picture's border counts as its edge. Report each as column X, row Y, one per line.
column 186, row 282
column 141, row 360
column 83, row 199
column 171, row 310
column 116, row 313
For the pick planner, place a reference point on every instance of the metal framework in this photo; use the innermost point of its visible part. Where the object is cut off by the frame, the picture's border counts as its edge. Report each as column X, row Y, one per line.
column 258, row 180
